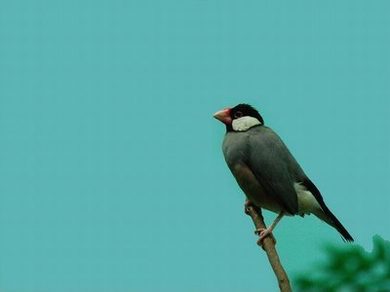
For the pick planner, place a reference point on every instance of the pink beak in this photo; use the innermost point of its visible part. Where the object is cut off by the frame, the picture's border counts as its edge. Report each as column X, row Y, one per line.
column 223, row 116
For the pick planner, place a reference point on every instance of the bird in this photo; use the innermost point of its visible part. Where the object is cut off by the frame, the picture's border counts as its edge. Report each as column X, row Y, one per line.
column 267, row 172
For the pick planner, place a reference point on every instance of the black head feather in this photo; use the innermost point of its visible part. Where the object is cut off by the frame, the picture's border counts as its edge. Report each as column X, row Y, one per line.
column 245, row 110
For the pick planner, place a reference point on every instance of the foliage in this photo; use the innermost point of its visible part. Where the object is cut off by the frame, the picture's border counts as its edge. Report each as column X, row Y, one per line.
column 350, row 268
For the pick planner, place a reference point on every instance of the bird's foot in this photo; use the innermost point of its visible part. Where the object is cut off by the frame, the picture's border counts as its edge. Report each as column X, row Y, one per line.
column 263, row 233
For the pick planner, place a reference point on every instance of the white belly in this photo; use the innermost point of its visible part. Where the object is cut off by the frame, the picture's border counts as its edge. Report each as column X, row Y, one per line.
column 307, row 203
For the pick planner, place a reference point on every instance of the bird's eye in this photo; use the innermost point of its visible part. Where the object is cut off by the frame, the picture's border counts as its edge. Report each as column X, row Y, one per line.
column 237, row 114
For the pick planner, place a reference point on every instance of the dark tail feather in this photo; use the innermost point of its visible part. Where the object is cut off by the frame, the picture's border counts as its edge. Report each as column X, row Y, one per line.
column 339, row 227
column 327, row 215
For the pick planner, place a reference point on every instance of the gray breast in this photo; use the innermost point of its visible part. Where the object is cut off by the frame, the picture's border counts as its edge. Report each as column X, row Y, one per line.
column 236, row 151
column 235, row 147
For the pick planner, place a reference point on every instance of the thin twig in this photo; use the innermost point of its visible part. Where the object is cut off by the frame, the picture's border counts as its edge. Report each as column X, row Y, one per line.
column 268, row 244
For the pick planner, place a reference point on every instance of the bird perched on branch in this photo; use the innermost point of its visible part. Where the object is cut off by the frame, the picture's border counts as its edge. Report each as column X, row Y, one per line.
column 267, row 172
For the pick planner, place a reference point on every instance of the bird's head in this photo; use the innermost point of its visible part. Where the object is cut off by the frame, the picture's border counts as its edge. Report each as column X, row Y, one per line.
column 239, row 118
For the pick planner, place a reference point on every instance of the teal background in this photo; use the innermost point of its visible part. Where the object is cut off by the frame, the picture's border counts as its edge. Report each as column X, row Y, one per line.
column 111, row 172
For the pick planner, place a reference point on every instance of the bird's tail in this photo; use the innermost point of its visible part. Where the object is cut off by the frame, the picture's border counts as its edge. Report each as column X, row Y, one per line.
column 327, row 216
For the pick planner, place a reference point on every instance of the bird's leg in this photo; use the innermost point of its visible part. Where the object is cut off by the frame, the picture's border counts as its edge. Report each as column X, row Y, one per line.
column 263, row 233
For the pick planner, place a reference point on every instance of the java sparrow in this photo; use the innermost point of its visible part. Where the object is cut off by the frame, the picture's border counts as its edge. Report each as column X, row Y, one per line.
column 267, row 172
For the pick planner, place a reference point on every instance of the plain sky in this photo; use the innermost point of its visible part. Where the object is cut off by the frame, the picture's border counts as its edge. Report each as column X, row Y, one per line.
column 112, row 177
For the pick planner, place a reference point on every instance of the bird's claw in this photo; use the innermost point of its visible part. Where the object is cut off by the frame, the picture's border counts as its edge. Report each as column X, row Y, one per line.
column 263, row 233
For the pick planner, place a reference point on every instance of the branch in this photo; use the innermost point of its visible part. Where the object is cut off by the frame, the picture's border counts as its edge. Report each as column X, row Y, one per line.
column 268, row 244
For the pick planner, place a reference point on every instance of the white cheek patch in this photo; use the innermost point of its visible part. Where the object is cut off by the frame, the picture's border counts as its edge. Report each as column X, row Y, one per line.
column 244, row 123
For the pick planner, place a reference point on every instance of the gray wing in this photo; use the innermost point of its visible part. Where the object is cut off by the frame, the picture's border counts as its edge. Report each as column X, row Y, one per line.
column 274, row 167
